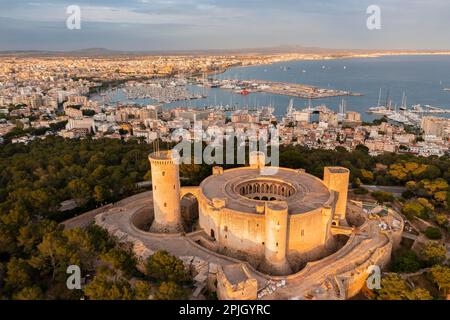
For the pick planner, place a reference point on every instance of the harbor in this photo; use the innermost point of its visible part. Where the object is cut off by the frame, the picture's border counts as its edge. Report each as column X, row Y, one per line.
column 245, row 87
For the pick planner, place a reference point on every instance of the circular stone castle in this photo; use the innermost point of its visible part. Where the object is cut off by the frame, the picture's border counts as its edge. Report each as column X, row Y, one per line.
column 274, row 220
column 258, row 227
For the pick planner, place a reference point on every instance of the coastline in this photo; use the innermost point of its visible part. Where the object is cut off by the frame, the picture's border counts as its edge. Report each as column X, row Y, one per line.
column 328, row 57
column 357, row 102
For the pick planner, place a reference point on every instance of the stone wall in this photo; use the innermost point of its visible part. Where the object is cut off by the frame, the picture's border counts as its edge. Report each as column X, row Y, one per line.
column 308, row 235
column 337, row 179
column 143, row 218
column 166, row 193
column 245, row 289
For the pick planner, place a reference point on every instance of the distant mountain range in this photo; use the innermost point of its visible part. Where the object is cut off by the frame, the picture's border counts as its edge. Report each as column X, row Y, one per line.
column 102, row 52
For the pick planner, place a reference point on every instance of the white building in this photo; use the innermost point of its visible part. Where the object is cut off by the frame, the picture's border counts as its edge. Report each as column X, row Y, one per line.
column 85, row 123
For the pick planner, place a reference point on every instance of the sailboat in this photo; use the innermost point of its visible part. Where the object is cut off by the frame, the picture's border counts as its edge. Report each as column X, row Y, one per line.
column 342, row 110
column 379, row 109
column 404, row 106
column 290, row 108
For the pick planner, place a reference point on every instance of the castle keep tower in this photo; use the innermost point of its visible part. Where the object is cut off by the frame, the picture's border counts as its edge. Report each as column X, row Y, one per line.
column 257, row 160
column 337, row 179
column 276, row 221
column 166, row 192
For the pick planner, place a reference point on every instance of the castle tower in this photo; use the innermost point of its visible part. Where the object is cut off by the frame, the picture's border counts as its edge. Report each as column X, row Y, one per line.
column 337, row 179
column 276, row 222
column 257, row 160
column 166, row 192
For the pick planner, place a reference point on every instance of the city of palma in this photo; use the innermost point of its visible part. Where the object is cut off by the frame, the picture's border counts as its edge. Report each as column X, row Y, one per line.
column 212, row 152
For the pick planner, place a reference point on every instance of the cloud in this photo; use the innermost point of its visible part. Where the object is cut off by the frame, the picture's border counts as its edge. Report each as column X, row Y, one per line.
column 227, row 23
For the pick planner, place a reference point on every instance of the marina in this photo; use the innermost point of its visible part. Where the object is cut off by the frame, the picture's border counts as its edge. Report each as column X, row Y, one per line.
column 160, row 91
column 402, row 115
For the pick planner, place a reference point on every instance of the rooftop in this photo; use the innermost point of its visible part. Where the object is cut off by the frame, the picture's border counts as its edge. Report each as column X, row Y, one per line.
column 162, row 155
column 337, row 170
column 309, row 193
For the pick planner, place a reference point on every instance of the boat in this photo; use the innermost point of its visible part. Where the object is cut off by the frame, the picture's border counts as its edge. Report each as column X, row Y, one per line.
column 446, row 89
column 342, row 110
column 228, row 86
column 403, row 106
column 400, row 118
column 379, row 109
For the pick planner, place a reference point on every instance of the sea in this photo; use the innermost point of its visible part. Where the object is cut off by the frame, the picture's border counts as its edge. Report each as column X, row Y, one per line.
column 422, row 78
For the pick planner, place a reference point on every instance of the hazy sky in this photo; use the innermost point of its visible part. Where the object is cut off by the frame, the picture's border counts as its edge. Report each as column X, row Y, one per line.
column 223, row 24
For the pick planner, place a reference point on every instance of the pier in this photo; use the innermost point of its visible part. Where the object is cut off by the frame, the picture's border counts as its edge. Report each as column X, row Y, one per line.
column 282, row 88
column 427, row 109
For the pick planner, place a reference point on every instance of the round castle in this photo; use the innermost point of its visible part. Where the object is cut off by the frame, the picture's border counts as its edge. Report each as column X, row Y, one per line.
column 257, row 232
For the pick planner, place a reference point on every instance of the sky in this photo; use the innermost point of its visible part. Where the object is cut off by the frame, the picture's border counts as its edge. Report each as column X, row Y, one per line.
column 145, row 25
